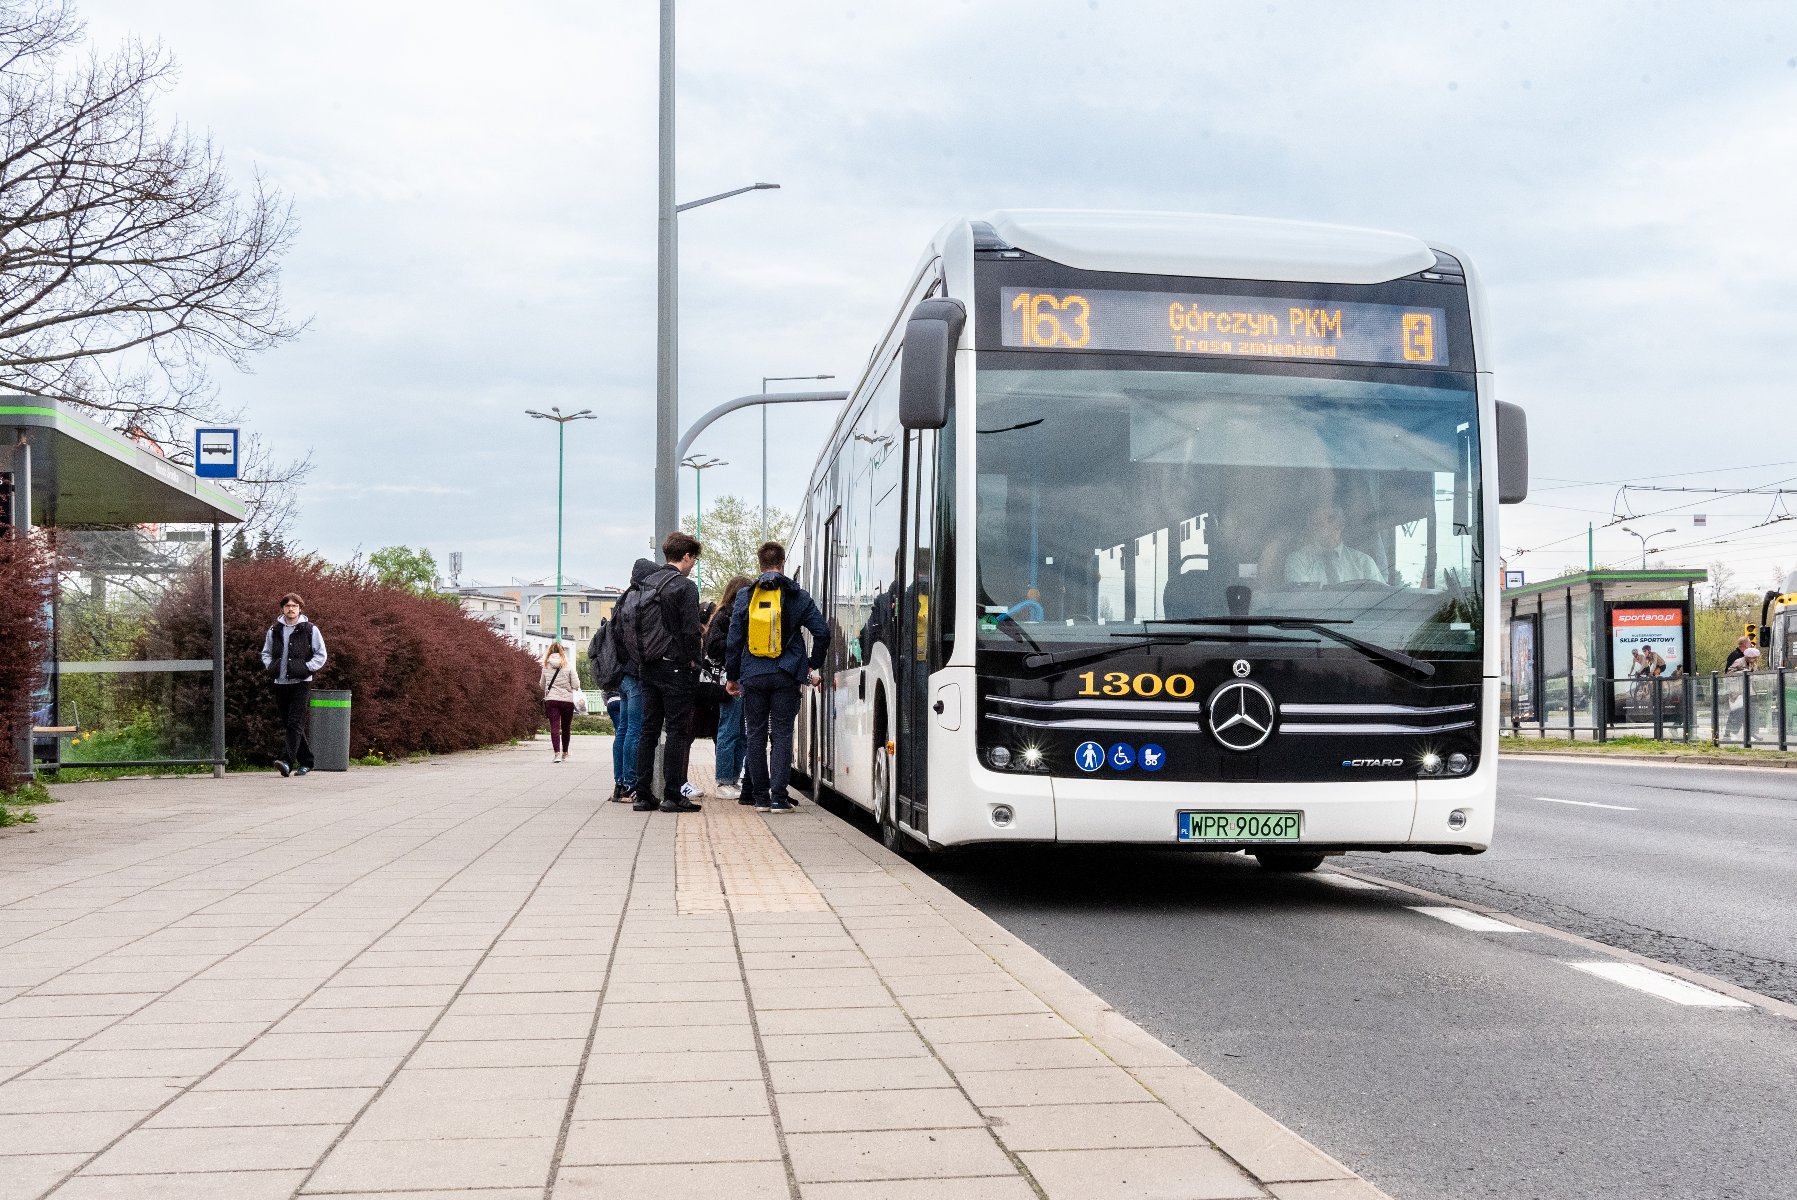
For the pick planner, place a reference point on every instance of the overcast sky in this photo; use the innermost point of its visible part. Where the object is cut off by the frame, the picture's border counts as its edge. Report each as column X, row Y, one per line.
column 476, row 191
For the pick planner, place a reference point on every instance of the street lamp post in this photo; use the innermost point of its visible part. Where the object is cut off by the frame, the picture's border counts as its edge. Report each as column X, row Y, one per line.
column 1644, row 540
column 700, row 465
column 561, row 441
column 765, row 380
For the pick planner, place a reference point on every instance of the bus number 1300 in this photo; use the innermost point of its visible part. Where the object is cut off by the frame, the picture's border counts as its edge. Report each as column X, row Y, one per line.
column 1121, row 683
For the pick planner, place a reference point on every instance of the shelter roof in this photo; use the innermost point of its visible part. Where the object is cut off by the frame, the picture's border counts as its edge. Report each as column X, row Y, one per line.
column 86, row 475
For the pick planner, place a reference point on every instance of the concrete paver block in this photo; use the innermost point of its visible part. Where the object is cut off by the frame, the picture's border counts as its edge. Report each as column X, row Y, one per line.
column 845, row 1112
column 901, row 1154
column 708, row 1098
column 184, row 1185
column 667, row 1139
column 1191, row 1173
column 234, row 1148
column 363, row 1164
column 738, row 1181
column 990, row 1187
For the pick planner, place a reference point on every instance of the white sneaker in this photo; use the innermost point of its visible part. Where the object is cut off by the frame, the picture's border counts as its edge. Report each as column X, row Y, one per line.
column 690, row 792
column 730, row 791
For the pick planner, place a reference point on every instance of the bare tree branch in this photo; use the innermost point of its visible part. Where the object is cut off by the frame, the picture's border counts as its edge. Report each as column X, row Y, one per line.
column 129, row 260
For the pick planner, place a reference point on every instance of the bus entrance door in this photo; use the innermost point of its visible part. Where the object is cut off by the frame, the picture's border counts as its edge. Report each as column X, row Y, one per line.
column 911, row 653
column 825, row 725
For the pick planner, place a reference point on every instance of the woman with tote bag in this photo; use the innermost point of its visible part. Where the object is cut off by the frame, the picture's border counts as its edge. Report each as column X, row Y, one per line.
column 562, row 697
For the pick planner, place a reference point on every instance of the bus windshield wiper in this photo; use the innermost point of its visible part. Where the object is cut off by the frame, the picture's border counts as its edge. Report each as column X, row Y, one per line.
column 1170, row 638
column 1012, row 626
column 1324, row 626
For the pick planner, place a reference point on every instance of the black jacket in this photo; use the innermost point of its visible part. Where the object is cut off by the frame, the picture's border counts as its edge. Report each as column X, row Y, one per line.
column 682, row 599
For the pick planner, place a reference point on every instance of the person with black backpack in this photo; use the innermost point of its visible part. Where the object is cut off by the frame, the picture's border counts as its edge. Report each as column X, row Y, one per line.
column 765, row 663
column 658, row 621
column 623, row 703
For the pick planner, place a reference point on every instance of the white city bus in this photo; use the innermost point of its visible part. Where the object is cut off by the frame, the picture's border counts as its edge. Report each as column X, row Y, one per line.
column 1166, row 528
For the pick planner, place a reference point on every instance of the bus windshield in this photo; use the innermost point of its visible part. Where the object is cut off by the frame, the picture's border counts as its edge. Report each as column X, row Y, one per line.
column 1147, row 490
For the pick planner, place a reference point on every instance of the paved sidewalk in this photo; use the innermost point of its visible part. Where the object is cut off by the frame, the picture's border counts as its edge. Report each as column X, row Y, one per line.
column 473, row 978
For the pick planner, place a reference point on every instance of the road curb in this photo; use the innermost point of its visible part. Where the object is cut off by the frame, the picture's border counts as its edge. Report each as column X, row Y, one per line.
column 1288, row 1165
column 1663, row 760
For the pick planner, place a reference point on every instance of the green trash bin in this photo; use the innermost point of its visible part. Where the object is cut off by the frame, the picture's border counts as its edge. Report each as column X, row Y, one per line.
column 329, row 730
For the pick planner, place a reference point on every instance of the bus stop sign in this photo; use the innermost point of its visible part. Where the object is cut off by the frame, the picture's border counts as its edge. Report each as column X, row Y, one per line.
column 215, row 453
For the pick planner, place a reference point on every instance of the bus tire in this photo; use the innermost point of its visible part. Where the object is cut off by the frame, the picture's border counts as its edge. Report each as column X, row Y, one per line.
column 1286, row 862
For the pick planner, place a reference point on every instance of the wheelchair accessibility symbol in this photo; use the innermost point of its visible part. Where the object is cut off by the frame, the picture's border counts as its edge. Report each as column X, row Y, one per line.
column 1089, row 756
column 1123, row 756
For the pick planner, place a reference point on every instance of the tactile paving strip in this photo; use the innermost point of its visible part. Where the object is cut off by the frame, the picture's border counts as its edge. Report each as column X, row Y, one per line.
column 725, row 857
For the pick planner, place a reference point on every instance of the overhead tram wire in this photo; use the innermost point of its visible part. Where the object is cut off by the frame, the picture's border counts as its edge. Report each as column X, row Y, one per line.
column 1573, row 483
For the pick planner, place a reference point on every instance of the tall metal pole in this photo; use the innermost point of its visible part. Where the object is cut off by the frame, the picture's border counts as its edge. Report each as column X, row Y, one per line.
column 561, row 446
column 699, row 525
column 218, row 652
column 667, row 417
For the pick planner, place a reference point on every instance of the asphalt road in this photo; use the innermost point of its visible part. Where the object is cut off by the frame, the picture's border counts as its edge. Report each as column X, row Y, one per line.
column 1447, row 1063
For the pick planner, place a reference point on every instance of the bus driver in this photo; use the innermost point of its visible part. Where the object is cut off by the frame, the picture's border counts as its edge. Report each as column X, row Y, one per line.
column 1322, row 558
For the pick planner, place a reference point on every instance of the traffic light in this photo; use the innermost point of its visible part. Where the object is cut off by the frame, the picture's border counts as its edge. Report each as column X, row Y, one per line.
column 1753, row 633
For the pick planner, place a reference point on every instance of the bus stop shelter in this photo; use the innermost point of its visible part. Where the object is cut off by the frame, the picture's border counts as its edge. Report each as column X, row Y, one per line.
column 1576, row 649
column 71, row 474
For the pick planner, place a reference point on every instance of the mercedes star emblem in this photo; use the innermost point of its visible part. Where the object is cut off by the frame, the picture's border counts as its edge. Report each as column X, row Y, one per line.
column 1241, row 668
column 1241, row 715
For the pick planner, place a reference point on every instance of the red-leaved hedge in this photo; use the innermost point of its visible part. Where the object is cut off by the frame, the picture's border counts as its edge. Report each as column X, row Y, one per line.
column 24, row 640
column 424, row 676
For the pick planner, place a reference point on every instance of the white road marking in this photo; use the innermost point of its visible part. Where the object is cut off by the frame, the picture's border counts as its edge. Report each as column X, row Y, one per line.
column 1587, row 804
column 1478, row 922
column 1346, row 881
column 1666, row 987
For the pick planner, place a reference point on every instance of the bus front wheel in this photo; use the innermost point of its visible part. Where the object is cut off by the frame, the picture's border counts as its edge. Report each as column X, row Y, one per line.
column 1292, row 863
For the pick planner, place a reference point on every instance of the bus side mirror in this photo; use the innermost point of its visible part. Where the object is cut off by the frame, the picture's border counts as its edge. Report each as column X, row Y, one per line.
column 1513, row 454
column 926, row 370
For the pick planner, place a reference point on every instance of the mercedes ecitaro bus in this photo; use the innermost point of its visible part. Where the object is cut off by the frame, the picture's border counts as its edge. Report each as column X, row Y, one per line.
column 1168, row 529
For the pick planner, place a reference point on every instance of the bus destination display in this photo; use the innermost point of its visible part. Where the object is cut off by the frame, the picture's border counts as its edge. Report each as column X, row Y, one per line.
column 1236, row 326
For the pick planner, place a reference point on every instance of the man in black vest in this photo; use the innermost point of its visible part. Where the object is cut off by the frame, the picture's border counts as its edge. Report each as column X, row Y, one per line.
column 292, row 652
column 659, row 622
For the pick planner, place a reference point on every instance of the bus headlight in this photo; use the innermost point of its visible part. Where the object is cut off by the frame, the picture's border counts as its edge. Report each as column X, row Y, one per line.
column 1032, row 757
column 1457, row 819
column 1430, row 764
column 1002, row 816
column 1458, row 763
column 999, row 757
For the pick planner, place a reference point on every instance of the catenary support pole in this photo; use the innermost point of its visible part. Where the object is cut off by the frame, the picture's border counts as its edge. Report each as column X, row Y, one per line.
column 667, row 417
column 218, row 652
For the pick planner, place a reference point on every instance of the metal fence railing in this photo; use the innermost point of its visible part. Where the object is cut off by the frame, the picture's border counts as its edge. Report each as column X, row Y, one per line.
column 1755, row 708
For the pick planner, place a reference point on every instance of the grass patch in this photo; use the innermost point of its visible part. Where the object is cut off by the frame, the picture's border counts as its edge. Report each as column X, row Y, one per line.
column 591, row 724
column 16, row 803
column 1639, row 745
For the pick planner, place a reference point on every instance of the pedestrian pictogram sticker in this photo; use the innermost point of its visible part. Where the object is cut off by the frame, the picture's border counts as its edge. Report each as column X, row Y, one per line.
column 1089, row 756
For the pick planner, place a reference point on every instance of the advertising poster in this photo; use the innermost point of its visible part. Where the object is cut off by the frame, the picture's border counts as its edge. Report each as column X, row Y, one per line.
column 1522, row 668
column 1647, row 642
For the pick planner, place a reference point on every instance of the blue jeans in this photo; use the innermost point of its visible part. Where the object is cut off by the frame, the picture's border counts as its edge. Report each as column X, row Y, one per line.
column 770, row 706
column 730, row 740
column 627, row 720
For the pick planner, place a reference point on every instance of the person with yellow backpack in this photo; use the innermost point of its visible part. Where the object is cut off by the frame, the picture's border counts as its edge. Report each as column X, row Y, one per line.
column 765, row 663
